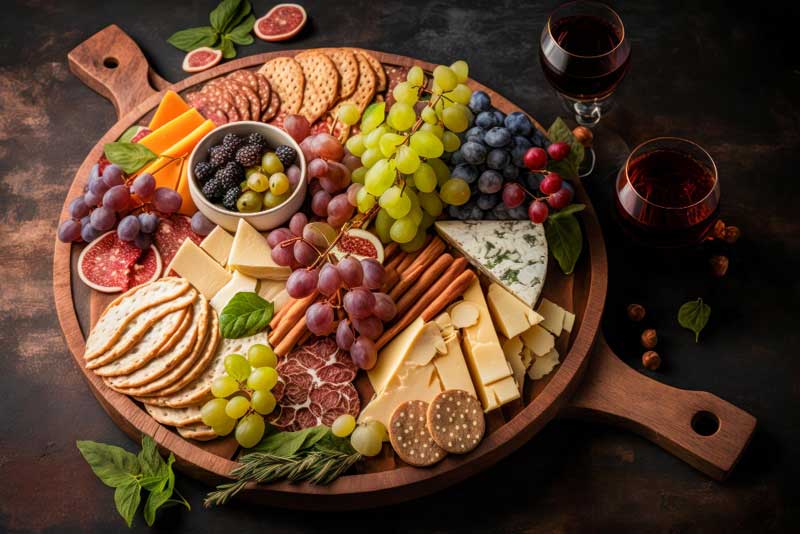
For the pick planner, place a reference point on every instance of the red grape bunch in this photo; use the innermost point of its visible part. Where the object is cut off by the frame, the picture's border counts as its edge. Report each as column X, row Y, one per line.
column 107, row 202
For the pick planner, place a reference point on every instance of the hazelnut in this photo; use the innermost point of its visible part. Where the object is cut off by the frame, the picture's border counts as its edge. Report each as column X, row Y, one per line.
column 649, row 338
column 718, row 232
column 636, row 312
column 651, row 360
column 719, row 265
column 583, row 135
column 732, row 234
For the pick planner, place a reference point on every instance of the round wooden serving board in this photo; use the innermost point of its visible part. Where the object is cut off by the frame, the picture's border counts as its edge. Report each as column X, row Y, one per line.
column 112, row 64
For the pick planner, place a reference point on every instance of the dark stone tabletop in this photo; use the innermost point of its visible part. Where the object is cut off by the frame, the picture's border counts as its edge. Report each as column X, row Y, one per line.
column 723, row 75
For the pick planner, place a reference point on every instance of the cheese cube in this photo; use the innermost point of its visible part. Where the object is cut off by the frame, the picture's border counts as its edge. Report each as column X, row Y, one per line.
column 569, row 321
column 502, row 392
column 452, row 368
column 205, row 274
column 416, row 383
column 481, row 344
column 251, row 255
column 538, row 340
column 170, row 107
column 510, row 314
column 392, row 356
column 553, row 316
column 239, row 283
column 543, row 365
column 513, row 349
column 218, row 245
column 426, row 346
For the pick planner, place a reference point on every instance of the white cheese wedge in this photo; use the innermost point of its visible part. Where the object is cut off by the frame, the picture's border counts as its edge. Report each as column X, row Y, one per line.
column 569, row 321
column 239, row 283
column 280, row 300
column 417, row 383
column 513, row 349
column 200, row 269
column 553, row 316
column 392, row 356
column 426, row 346
column 218, row 245
column 251, row 255
column 452, row 367
column 543, row 365
column 510, row 315
column 511, row 253
column 538, row 340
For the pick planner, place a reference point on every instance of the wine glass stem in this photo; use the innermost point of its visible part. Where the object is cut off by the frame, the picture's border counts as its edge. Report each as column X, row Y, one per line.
column 587, row 114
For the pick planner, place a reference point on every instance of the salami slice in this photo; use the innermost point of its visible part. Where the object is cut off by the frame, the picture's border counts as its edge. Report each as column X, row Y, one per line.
column 170, row 236
column 315, row 386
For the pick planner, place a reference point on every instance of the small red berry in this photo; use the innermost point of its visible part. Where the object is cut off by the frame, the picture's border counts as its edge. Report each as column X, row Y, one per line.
column 558, row 151
column 538, row 212
column 560, row 199
column 535, row 159
column 513, row 195
column 551, row 183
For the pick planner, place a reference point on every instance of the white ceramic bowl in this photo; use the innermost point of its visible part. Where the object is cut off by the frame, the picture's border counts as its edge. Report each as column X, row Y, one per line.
column 260, row 220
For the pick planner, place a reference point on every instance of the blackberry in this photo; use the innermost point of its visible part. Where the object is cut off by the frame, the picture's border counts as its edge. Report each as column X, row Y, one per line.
column 213, row 189
column 249, row 155
column 230, row 175
column 203, row 171
column 232, row 140
column 230, row 197
column 258, row 140
column 220, row 155
column 286, row 154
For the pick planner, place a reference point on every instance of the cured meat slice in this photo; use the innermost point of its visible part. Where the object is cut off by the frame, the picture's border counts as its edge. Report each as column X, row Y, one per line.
column 314, row 386
column 170, row 236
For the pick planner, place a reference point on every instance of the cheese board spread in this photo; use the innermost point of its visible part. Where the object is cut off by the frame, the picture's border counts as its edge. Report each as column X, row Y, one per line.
column 406, row 315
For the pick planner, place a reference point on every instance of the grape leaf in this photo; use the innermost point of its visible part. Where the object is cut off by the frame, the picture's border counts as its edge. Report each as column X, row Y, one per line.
column 694, row 316
column 567, row 167
column 245, row 315
column 192, row 38
column 129, row 156
column 565, row 240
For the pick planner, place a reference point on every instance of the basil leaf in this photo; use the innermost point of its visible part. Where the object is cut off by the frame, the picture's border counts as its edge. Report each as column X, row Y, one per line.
column 238, row 18
column 569, row 210
column 333, row 443
column 241, row 34
column 154, row 469
column 567, row 167
column 127, row 499
column 129, row 156
column 114, row 466
column 160, row 497
column 694, row 316
column 244, row 315
column 287, row 444
column 192, row 38
column 223, row 14
column 565, row 240
column 228, row 50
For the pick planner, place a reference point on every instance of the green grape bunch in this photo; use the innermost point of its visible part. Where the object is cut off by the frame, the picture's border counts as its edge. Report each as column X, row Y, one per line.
column 400, row 150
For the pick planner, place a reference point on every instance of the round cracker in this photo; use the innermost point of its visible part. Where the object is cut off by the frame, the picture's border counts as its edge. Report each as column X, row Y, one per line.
column 456, row 421
column 286, row 77
column 376, row 67
column 177, row 417
column 365, row 90
column 321, row 73
column 408, row 432
column 347, row 66
column 199, row 432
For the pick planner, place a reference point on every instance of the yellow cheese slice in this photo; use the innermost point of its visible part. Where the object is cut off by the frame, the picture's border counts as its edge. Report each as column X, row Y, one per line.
column 426, row 346
column 538, row 340
column 217, row 244
column 417, row 383
column 280, row 300
column 569, row 321
column 481, row 345
column 543, row 365
column 392, row 356
column 511, row 316
column 553, row 316
column 502, row 392
column 452, row 368
column 188, row 206
column 170, row 107
column 205, row 274
column 238, row 283
column 513, row 349
column 251, row 255
column 275, row 292
column 170, row 133
column 445, row 324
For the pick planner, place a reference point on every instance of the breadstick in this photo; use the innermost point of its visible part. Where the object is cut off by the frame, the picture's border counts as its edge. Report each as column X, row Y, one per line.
column 422, row 283
column 422, row 303
column 429, row 253
column 407, row 261
column 454, row 290
column 416, row 270
column 390, row 250
column 394, row 262
column 292, row 316
column 292, row 337
column 390, row 280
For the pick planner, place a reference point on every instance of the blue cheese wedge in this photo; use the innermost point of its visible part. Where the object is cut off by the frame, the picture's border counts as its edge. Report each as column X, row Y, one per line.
column 511, row 253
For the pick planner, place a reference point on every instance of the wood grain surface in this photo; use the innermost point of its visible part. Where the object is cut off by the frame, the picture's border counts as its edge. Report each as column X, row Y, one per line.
column 578, row 477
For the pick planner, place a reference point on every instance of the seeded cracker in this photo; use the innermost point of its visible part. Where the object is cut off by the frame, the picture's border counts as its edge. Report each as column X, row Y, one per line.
column 408, row 432
column 347, row 66
column 286, row 78
column 456, row 421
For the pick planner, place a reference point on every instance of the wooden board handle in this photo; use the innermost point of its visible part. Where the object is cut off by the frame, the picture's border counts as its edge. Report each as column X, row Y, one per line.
column 112, row 64
column 700, row 428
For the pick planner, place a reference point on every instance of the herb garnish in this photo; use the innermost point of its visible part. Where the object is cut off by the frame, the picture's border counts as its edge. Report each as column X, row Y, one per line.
column 231, row 23
column 245, row 314
column 564, row 236
column 694, row 316
column 130, row 157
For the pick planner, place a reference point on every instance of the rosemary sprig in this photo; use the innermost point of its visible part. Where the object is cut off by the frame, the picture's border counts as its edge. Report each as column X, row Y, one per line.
column 317, row 466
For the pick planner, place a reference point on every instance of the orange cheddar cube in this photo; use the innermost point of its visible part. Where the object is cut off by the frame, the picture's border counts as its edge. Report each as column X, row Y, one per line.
column 170, row 107
column 187, row 205
column 169, row 134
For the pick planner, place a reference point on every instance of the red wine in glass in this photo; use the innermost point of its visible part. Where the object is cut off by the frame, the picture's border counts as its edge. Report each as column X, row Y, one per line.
column 668, row 193
column 584, row 55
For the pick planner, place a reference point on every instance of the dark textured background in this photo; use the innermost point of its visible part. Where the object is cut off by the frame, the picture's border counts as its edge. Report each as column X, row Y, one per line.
column 724, row 76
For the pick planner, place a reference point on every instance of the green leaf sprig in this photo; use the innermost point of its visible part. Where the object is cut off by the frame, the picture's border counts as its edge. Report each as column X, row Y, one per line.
column 130, row 157
column 245, row 314
column 231, row 24
column 313, row 454
column 567, row 167
column 694, row 316
column 129, row 474
column 564, row 236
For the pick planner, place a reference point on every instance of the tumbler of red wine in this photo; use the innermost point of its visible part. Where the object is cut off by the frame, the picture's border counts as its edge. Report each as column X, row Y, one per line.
column 585, row 54
column 668, row 193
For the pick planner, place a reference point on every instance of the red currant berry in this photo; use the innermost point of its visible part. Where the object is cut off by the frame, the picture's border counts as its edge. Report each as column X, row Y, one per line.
column 551, row 183
column 538, row 212
column 560, row 199
column 513, row 195
column 535, row 159
column 558, row 151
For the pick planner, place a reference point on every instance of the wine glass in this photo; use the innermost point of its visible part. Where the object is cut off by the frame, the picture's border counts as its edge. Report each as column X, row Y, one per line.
column 584, row 54
column 668, row 193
